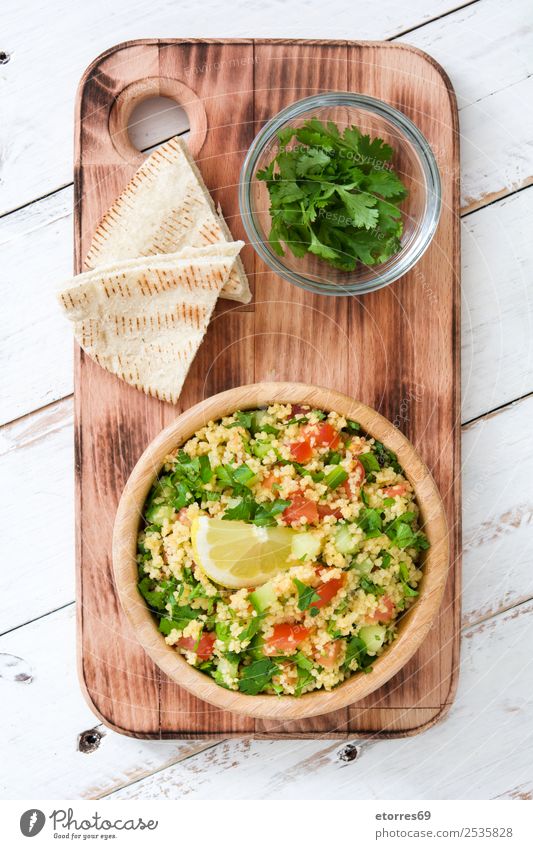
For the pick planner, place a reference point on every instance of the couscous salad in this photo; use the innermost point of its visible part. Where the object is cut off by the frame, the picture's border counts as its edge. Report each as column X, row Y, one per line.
column 279, row 547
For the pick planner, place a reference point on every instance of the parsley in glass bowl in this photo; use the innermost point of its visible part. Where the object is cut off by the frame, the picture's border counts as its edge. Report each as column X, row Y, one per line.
column 340, row 194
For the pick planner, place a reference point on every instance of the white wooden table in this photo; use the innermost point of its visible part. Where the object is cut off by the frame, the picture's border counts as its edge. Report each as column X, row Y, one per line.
column 54, row 746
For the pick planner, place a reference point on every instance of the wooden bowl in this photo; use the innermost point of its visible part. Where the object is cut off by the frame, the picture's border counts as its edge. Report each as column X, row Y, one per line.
column 412, row 628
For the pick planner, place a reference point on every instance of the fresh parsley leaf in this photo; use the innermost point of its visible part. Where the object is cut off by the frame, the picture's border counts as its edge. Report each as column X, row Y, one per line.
column 223, row 632
column 153, row 595
column 385, row 559
column 304, row 678
column 306, row 594
column 243, row 420
column 369, row 520
column 386, row 457
column 370, row 588
column 255, row 677
column 356, row 648
column 265, row 513
column 242, row 511
column 252, row 628
column 206, row 472
column 332, row 194
column 181, row 616
column 402, row 534
column 369, row 462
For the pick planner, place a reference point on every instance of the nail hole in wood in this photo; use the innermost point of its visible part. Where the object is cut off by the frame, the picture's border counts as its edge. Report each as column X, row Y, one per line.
column 88, row 741
column 4, row 57
column 349, row 753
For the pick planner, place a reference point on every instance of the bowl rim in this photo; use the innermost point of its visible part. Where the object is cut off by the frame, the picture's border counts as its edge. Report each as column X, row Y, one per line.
column 428, row 163
column 414, row 625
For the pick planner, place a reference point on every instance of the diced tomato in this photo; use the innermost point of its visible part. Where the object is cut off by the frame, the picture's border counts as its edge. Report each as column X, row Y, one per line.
column 359, row 473
column 299, row 507
column 398, row 489
column 297, row 409
column 322, row 434
column 285, row 638
column 331, row 654
column 356, row 480
column 183, row 517
column 326, row 510
column 204, row 649
column 327, row 590
column 268, row 481
column 385, row 610
column 302, row 452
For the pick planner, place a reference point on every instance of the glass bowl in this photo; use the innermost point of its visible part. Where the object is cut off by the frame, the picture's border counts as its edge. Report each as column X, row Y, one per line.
column 413, row 161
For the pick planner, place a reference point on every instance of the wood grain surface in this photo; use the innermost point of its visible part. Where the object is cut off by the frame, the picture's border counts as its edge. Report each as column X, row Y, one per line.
column 396, row 350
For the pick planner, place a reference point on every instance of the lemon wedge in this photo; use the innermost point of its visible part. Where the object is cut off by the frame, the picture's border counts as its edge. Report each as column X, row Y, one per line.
column 235, row 554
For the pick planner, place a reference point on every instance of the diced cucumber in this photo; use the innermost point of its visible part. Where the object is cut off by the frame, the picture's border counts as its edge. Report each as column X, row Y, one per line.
column 261, row 449
column 258, row 419
column 335, row 477
column 373, row 636
column 157, row 513
column 262, row 598
column 344, row 541
column 305, row 546
column 364, row 568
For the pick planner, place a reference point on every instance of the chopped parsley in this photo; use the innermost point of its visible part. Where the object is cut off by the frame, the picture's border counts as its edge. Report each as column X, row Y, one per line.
column 306, row 594
column 334, row 195
column 369, row 462
column 257, row 676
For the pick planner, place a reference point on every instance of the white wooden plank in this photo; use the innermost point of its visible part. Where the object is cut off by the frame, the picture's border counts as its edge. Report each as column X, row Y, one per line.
column 37, row 507
column 47, row 61
column 497, row 305
column 497, row 512
column 487, row 50
column 36, row 347
column 485, row 47
column 450, row 761
column 496, row 321
column 496, row 145
column 43, row 714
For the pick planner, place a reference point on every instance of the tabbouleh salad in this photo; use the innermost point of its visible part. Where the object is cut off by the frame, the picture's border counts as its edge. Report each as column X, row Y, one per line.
column 349, row 554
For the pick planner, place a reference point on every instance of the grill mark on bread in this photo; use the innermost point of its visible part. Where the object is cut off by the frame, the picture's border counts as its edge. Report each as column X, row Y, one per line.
column 112, row 242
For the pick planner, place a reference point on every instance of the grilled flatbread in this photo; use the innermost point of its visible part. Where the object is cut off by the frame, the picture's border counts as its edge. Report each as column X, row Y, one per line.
column 165, row 207
column 143, row 320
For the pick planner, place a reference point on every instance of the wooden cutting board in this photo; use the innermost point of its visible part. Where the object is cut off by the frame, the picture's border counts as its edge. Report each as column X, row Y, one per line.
column 396, row 349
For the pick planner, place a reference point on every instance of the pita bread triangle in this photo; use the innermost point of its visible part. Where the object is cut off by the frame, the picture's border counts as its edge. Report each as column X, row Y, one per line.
column 143, row 320
column 164, row 208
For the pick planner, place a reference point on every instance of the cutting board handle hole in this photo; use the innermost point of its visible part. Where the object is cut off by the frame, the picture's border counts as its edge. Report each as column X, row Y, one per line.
column 155, row 120
column 150, row 111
